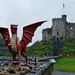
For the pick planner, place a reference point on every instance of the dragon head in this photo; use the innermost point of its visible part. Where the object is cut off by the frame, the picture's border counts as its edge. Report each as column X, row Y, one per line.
column 14, row 28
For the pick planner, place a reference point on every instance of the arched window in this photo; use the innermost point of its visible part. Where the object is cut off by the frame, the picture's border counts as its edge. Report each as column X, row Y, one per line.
column 57, row 38
column 57, row 33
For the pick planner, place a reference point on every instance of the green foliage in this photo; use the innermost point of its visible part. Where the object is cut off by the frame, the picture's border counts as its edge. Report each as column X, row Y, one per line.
column 39, row 48
column 69, row 47
column 65, row 64
column 2, row 43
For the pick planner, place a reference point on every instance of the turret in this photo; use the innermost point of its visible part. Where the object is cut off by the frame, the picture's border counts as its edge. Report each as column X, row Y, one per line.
column 64, row 17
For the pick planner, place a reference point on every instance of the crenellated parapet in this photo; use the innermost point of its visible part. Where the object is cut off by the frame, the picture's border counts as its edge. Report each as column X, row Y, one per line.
column 56, row 19
column 71, row 24
column 63, row 18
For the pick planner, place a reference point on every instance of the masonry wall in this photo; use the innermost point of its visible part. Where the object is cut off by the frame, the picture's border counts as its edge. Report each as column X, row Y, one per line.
column 58, row 28
column 70, row 30
column 47, row 33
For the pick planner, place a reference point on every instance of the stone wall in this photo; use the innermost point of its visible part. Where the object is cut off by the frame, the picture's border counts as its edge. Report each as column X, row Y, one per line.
column 45, row 69
column 47, row 33
column 70, row 30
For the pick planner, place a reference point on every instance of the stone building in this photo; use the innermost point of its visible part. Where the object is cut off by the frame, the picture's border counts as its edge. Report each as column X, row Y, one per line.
column 60, row 28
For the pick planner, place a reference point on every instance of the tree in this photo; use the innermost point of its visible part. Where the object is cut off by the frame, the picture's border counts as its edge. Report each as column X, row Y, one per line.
column 2, row 43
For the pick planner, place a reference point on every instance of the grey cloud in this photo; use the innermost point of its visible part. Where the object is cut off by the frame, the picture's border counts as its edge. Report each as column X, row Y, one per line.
column 25, row 12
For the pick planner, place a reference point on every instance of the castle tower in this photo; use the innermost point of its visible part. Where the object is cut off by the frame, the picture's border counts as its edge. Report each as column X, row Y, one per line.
column 58, row 34
column 59, row 27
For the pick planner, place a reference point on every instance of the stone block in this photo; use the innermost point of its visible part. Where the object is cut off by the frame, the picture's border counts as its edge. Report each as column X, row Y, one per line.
column 26, row 69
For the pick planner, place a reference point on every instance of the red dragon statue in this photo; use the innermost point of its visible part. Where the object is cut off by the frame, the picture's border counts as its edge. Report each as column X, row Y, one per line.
column 13, row 45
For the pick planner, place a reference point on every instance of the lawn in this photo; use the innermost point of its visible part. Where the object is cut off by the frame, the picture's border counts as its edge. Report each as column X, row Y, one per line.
column 2, row 56
column 65, row 64
column 6, row 56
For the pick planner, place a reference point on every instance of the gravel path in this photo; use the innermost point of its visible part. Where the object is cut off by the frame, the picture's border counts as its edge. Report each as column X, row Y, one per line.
column 62, row 73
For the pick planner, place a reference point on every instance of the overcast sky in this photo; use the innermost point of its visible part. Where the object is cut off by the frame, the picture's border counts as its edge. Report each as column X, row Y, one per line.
column 25, row 12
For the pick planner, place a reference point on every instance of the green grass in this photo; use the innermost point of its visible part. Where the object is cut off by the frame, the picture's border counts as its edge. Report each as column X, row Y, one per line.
column 2, row 56
column 65, row 64
column 39, row 48
column 69, row 48
column 6, row 56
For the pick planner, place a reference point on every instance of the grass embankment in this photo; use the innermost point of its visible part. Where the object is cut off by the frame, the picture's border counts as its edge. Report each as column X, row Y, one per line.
column 65, row 64
column 2, row 56
column 68, row 48
column 39, row 48
column 5, row 56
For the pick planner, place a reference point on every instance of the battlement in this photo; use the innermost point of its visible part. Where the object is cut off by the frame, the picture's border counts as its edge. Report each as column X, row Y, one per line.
column 56, row 19
column 69, row 23
column 60, row 19
column 46, row 29
column 64, row 16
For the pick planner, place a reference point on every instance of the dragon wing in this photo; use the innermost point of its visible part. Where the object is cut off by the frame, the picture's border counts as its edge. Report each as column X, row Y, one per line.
column 28, row 33
column 5, row 34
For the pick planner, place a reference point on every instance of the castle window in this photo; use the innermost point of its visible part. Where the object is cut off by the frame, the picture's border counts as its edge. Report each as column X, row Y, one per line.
column 71, row 28
column 57, row 39
column 57, row 33
column 58, row 22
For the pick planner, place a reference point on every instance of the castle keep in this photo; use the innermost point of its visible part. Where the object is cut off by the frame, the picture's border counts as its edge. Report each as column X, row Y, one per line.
column 60, row 29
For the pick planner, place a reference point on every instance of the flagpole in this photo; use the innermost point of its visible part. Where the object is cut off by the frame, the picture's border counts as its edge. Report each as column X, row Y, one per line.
column 63, row 7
